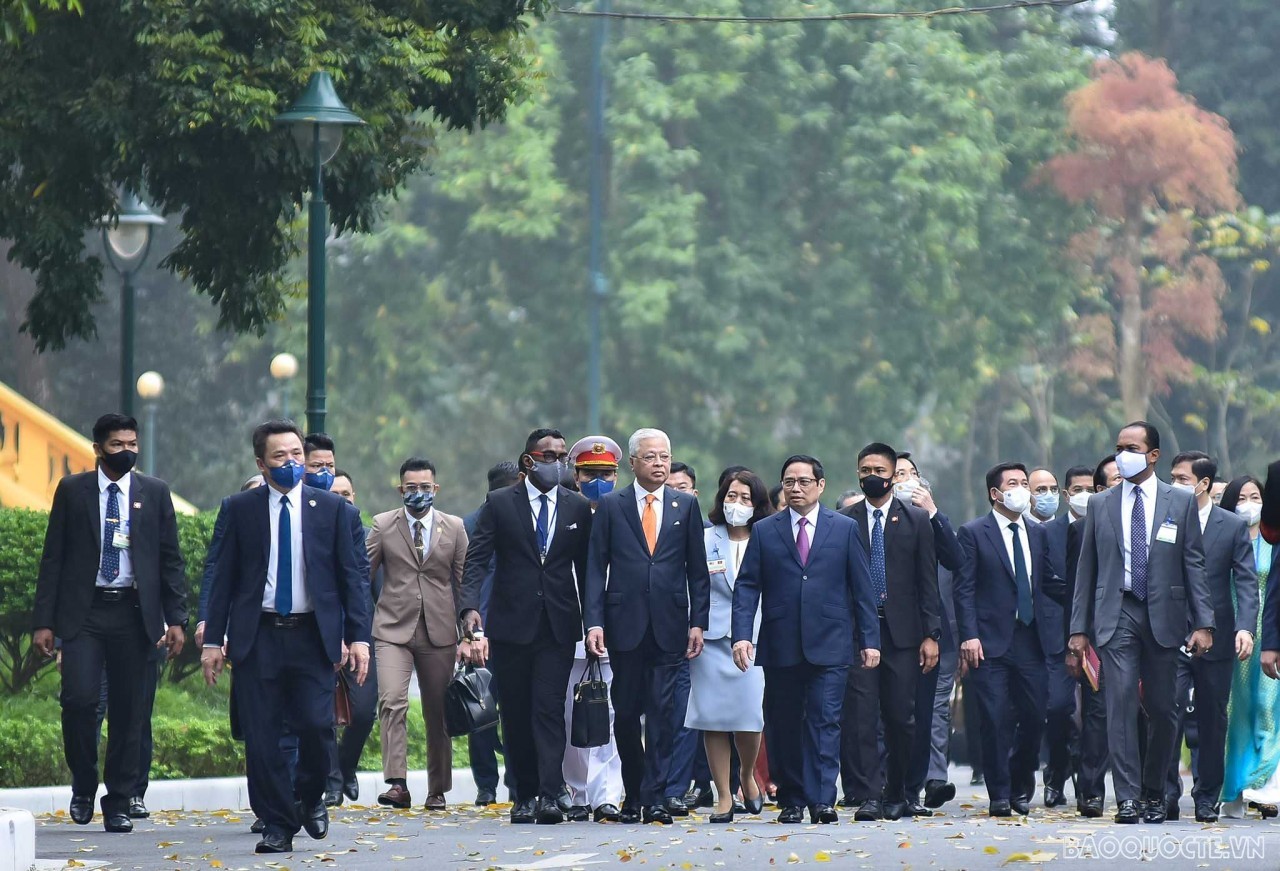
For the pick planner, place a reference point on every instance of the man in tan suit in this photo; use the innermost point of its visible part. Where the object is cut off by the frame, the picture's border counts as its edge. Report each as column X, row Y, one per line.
column 421, row 552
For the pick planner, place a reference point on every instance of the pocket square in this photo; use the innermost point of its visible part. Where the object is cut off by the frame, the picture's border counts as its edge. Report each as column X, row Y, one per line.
column 677, row 523
column 571, row 526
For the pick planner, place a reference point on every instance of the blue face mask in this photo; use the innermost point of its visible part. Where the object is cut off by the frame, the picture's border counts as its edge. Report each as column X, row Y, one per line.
column 1047, row 504
column 322, row 479
column 596, row 488
column 288, row 475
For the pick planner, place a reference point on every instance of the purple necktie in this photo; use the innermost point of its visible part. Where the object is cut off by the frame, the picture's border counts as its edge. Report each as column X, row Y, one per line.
column 802, row 541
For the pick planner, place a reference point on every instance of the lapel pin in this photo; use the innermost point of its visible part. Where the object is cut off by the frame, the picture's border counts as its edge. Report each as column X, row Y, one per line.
column 312, row 503
column 893, row 519
column 675, row 504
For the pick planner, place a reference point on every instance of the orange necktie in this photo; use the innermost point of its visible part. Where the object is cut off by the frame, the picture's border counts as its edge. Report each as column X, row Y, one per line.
column 649, row 523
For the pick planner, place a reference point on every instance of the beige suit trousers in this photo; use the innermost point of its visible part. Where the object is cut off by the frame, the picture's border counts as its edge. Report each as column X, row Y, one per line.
column 396, row 665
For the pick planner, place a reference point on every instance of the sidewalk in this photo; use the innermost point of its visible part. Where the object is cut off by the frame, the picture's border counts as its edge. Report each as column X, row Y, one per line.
column 227, row 793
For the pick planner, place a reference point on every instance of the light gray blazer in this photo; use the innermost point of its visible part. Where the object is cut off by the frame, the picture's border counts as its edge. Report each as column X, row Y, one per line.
column 718, row 546
column 1177, row 586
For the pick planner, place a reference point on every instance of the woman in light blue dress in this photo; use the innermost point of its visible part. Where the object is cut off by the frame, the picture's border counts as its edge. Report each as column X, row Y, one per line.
column 1252, row 769
column 725, row 703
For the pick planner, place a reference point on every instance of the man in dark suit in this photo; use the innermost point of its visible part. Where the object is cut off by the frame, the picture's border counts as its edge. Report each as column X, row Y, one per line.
column 904, row 578
column 1003, row 592
column 1228, row 563
column 289, row 589
column 1140, row 580
column 111, row 587
column 648, row 598
column 537, row 531
column 1061, row 733
column 807, row 571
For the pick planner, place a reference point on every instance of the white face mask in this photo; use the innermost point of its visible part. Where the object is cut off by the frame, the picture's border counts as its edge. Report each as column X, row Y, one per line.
column 1079, row 502
column 1186, row 488
column 1250, row 511
column 905, row 489
column 736, row 514
column 1017, row 499
column 1131, row 463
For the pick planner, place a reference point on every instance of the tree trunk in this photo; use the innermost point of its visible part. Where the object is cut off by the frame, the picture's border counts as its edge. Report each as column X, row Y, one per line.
column 1135, row 388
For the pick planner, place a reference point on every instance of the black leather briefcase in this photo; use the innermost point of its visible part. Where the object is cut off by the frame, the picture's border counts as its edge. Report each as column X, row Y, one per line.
column 590, row 708
column 469, row 705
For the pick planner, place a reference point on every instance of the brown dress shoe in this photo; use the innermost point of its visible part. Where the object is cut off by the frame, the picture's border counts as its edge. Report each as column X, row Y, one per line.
column 396, row 796
column 434, row 802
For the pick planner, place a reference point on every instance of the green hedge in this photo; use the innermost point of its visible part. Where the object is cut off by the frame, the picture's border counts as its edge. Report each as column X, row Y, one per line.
column 21, row 543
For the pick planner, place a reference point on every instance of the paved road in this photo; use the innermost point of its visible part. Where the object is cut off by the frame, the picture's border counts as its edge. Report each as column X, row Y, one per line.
column 471, row 839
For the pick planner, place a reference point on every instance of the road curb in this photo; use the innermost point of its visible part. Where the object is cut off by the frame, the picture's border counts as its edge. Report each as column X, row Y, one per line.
column 17, row 839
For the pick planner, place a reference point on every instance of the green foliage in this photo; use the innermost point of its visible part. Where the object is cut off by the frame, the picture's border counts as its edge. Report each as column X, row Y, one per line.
column 18, row 17
column 178, row 99
column 21, row 539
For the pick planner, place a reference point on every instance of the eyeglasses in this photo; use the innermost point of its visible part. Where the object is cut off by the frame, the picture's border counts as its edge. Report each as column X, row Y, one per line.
column 1045, row 488
column 549, row 456
column 802, row 483
column 419, row 488
column 653, row 459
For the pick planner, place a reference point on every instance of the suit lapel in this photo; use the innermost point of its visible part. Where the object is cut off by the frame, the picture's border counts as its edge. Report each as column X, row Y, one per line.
column 402, row 524
column 825, row 518
column 864, row 527
column 308, row 523
column 524, row 517
column 997, row 541
column 627, row 503
column 722, row 548
column 1115, row 503
column 782, row 521
column 1164, row 497
column 91, row 500
column 264, row 521
column 670, row 515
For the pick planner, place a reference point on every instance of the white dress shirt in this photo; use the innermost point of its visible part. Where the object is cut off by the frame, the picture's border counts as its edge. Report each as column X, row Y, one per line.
column 301, row 601
column 125, row 578
column 426, row 521
column 812, row 517
column 1007, row 534
column 657, row 504
column 1204, row 514
column 535, row 506
column 1148, row 488
column 871, row 519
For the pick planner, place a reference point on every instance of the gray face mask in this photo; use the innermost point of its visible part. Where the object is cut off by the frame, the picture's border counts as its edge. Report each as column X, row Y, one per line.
column 545, row 476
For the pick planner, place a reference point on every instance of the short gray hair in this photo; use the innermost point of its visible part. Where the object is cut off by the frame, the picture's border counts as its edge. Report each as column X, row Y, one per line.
column 633, row 443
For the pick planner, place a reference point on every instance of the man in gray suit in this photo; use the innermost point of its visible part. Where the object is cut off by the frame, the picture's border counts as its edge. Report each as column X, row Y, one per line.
column 1140, row 582
column 1228, row 562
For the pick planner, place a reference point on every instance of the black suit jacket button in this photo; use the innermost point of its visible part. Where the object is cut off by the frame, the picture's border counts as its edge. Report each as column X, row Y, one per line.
column 539, row 594
column 804, row 577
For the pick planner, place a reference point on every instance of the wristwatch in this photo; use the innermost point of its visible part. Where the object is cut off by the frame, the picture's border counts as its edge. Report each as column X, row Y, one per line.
column 936, row 635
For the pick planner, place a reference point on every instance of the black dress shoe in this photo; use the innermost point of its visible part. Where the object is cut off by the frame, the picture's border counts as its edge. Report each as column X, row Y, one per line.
column 607, row 813
column 1000, row 808
column 578, row 813
column 1127, row 812
column 1153, row 811
column 485, row 797
column 315, row 821
column 870, row 811
column 977, row 779
column 1171, row 810
column 850, row 802
column 117, row 821
column 738, row 806
column 630, row 814
column 523, row 812
column 81, row 809
column 791, row 815
column 823, row 813
column 753, row 806
column 138, row 808
column 916, row 809
column 656, row 814
column 721, row 819
column 549, row 812
column 938, row 792
column 1021, row 805
column 258, row 826
column 1091, row 807
column 351, row 788
column 1206, row 812
column 894, row 810
column 332, row 797
column 699, row 796
column 274, row 844
column 564, row 799
column 1053, row 797
column 675, row 806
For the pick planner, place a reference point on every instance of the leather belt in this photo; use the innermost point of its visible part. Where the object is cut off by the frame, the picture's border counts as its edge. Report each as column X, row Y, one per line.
column 115, row 594
column 293, row 621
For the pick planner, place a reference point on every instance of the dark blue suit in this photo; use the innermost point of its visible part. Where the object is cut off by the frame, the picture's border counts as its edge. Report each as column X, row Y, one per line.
column 1013, row 669
column 811, row 616
column 288, row 671
column 1061, row 733
column 646, row 605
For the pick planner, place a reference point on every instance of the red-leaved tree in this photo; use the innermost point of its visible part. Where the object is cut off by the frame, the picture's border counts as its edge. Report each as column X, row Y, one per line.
column 1147, row 159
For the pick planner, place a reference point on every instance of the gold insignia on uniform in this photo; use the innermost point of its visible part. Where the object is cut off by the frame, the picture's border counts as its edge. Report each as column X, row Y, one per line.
column 598, row 448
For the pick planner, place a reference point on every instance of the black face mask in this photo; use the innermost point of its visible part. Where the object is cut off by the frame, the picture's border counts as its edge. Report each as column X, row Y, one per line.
column 875, row 486
column 120, row 462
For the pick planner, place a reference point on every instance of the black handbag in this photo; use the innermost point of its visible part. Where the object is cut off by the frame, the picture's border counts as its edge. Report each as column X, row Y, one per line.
column 590, row 708
column 469, row 705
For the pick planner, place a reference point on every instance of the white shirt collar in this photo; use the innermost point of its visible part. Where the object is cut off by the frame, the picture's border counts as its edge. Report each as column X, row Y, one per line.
column 871, row 511
column 534, row 492
column 1204, row 514
column 124, row 483
column 812, row 516
column 425, row 519
column 295, row 495
column 1004, row 522
column 642, row 492
column 1148, row 488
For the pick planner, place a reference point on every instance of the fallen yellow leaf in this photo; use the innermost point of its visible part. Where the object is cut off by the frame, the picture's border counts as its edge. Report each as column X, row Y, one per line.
column 822, row 856
column 793, row 859
column 990, row 850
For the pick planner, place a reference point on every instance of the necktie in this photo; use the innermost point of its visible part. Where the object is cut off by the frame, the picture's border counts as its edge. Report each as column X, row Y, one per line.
column 802, row 540
column 284, row 561
column 649, row 523
column 543, row 519
column 417, row 540
column 1026, row 611
column 878, row 581
column 1138, row 547
column 110, row 554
